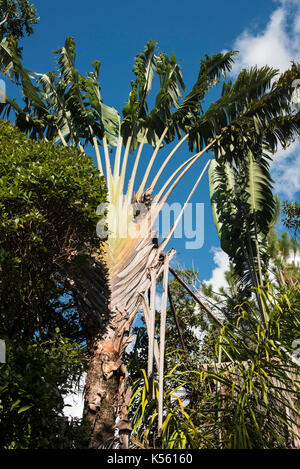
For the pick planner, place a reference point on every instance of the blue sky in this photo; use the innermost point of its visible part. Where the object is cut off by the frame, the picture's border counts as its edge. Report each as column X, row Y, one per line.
column 264, row 31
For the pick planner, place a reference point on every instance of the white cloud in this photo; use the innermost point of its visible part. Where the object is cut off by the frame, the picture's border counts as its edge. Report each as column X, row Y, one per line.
column 221, row 260
column 295, row 258
column 285, row 171
column 278, row 45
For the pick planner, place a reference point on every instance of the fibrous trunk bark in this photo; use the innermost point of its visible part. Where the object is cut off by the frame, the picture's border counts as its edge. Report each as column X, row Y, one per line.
column 106, row 396
column 106, row 391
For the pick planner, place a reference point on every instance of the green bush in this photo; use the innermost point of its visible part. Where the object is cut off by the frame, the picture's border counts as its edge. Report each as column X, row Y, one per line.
column 34, row 381
column 48, row 201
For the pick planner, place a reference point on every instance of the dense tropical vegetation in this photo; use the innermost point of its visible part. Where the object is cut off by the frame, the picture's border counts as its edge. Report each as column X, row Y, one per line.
column 211, row 369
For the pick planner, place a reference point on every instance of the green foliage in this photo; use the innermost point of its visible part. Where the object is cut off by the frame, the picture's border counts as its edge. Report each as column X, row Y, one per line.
column 137, row 115
column 243, row 208
column 17, row 18
column 178, row 431
column 250, row 114
column 34, row 381
column 63, row 104
column 258, row 382
column 49, row 196
column 20, row 17
column 291, row 220
column 247, row 394
column 227, row 297
column 48, row 217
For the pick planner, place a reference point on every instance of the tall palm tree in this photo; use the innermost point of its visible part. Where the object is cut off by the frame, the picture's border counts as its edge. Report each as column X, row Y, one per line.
column 251, row 115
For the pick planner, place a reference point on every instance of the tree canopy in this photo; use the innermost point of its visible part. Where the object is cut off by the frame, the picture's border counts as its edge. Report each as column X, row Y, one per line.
column 48, row 201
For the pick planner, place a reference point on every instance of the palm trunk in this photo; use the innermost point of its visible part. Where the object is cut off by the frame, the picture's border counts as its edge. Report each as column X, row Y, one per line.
column 106, row 395
column 106, row 392
column 101, row 395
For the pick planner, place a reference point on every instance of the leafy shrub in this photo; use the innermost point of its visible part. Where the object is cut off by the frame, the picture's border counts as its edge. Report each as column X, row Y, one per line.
column 48, row 201
column 34, row 381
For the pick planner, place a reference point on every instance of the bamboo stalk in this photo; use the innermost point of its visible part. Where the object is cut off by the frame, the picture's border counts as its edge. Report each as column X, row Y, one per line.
column 172, row 307
column 206, row 309
column 147, row 317
column 163, row 318
column 151, row 323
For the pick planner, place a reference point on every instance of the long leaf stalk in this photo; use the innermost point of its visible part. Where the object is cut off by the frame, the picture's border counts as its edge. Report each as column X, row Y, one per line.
column 151, row 162
column 173, row 228
column 62, row 138
column 147, row 315
column 166, row 161
column 184, row 167
column 97, row 151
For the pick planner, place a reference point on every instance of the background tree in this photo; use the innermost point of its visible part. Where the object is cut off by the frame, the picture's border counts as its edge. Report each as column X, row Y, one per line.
column 35, row 379
column 283, row 265
column 17, row 19
column 49, row 197
column 291, row 220
column 226, row 298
